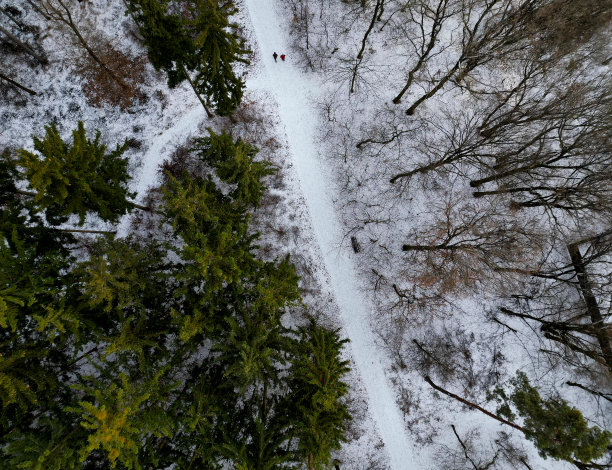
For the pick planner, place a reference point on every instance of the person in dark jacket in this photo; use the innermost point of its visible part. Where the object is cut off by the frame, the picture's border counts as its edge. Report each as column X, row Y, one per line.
column 275, row 55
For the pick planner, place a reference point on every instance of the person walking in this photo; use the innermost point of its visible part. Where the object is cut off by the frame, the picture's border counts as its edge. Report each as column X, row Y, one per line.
column 283, row 57
column 275, row 55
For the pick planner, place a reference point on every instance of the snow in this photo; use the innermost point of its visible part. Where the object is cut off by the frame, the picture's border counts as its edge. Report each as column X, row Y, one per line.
column 327, row 189
column 295, row 94
column 148, row 174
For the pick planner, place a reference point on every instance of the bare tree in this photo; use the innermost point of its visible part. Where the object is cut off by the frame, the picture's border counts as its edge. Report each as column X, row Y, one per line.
column 466, row 241
column 60, row 11
column 572, row 304
column 41, row 58
column 428, row 20
column 491, row 29
column 377, row 12
column 17, row 84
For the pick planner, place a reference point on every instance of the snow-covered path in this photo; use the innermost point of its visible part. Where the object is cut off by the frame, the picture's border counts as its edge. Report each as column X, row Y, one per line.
column 148, row 174
column 294, row 94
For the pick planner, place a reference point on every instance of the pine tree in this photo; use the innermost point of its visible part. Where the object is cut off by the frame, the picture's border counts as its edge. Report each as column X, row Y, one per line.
column 318, row 394
column 557, row 429
column 168, row 45
column 76, row 178
column 234, row 163
column 196, row 37
column 217, row 50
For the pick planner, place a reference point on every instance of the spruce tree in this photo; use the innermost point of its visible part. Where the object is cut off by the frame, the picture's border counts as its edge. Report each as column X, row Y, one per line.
column 557, row 429
column 165, row 350
column 76, row 178
column 218, row 49
column 234, row 163
column 318, row 394
column 168, row 45
column 195, row 37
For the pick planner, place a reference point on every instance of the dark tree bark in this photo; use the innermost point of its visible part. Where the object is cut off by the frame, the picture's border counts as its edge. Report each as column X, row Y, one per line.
column 19, row 24
column 25, row 47
column 16, row 84
column 363, row 45
column 193, row 87
column 600, row 330
column 370, row 27
column 605, row 396
column 438, row 17
column 475, row 406
column 63, row 15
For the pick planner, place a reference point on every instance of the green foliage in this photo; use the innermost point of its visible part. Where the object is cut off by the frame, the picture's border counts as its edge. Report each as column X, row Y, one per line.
column 217, row 49
column 194, row 36
column 76, row 178
column 191, row 363
column 12, row 388
column 265, row 451
column 319, row 393
column 168, row 45
column 214, row 231
column 557, row 429
column 120, row 415
column 124, row 281
column 234, row 164
column 50, row 447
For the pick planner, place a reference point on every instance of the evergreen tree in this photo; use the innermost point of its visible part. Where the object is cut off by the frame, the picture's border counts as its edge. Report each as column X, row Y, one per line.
column 76, row 178
column 168, row 45
column 194, row 36
column 218, row 49
column 318, row 394
column 170, row 350
column 234, row 163
column 557, row 429
column 120, row 415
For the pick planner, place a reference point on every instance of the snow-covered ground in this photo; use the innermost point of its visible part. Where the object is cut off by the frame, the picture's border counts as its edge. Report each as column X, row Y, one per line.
column 414, row 435
column 295, row 94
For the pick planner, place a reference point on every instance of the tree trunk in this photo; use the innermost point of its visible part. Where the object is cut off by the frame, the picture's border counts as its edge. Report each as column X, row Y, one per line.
column 186, row 72
column 18, row 85
column 475, row 406
column 605, row 396
column 24, row 46
column 133, row 204
column 478, row 194
column 310, row 463
column 433, row 35
column 367, row 33
column 39, row 10
column 26, row 193
column 78, row 230
column 67, row 20
column 432, row 247
column 142, row 208
column 434, row 90
column 19, row 24
column 363, row 44
column 537, row 163
column 432, row 166
column 591, row 304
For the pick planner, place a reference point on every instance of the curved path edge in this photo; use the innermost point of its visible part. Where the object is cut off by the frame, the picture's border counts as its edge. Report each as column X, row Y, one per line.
column 293, row 93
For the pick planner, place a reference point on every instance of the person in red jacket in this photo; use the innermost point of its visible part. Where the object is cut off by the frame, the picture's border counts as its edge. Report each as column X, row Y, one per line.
column 283, row 57
column 275, row 55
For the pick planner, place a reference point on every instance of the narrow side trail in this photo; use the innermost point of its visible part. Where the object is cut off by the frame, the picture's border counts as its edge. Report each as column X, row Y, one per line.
column 148, row 174
column 294, row 95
